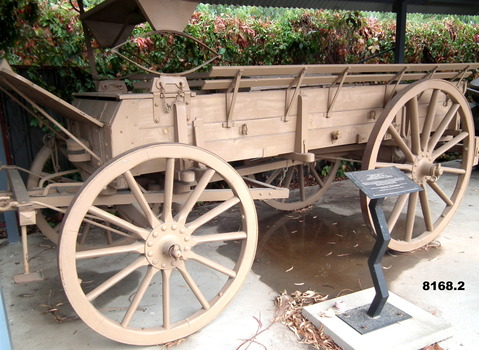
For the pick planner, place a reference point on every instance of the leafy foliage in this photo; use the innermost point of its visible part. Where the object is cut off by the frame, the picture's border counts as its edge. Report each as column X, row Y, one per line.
column 52, row 39
column 242, row 35
column 14, row 14
column 438, row 42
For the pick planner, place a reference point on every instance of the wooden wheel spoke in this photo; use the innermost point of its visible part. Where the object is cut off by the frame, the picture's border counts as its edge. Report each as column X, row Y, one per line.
column 219, row 237
column 273, row 176
column 426, row 210
column 401, row 144
column 315, row 175
column 301, row 183
column 400, row 166
column 410, row 216
column 84, row 234
column 169, row 182
column 335, row 169
column 396, row 212
column 289, row 177
column 218, row 210
column 91, row 221
column 211, row 264
column 141, row 199
column 115, row 220
column 442, row 127
column 436, row 188
column 194, row 196
column 119, row 276
column 194, row 287
column 136, row 247
column 140, row 293
column 165, row 281
column 413, row 115
column 109, row 237
column 449, row 144
column 431, row 114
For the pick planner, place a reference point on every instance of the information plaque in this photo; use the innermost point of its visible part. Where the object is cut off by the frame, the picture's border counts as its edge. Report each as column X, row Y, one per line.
column 382, row 183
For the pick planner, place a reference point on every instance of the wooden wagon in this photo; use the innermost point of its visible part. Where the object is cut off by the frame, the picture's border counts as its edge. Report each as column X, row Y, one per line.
column 126, row 176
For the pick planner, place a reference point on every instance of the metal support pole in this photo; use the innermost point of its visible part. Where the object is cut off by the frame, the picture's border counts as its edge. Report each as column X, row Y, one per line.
column 5, row 341
column 400, row 7
column 10, row 216
column 374, row 261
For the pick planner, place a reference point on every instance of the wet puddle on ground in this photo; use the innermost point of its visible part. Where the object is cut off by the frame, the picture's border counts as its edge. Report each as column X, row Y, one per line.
column 323, row 251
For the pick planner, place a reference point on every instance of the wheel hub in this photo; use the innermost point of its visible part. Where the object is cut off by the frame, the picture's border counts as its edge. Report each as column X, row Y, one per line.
column 166, row 246
column 424, row 169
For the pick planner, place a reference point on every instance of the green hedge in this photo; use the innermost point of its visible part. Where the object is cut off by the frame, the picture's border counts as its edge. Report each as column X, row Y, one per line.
column 246, row 36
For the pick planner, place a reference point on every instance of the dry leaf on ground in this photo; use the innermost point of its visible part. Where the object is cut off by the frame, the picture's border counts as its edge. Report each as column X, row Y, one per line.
column 289, row 309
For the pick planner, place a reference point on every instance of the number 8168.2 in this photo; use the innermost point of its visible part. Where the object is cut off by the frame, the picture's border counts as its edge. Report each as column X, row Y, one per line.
column 443, row 285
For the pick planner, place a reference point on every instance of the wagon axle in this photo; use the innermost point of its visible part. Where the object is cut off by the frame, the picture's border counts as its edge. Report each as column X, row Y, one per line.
column 424, row 169
column 165, row 246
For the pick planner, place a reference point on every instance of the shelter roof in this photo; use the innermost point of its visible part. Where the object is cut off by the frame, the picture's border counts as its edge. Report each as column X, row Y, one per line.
column 451, row 7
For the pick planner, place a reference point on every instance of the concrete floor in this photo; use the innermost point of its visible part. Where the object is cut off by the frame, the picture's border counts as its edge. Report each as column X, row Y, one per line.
column 324, row 248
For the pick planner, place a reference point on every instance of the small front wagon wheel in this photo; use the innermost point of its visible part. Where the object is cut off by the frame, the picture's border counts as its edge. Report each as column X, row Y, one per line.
column 43, row 166
column 179, row 273
column 423, row 126
column 46, row 171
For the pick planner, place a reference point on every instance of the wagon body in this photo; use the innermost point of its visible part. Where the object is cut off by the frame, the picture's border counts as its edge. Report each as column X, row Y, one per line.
column 266, row 120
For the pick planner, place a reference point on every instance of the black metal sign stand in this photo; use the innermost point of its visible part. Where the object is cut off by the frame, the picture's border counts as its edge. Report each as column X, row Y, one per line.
column 374, row 261
column 378, row 184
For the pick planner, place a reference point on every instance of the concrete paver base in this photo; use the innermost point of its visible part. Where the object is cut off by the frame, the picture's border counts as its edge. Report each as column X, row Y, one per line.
column 420, row 330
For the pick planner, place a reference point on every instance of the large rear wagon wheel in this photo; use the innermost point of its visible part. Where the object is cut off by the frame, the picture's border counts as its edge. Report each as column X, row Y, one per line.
column 172, row 280
column 420, row 127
